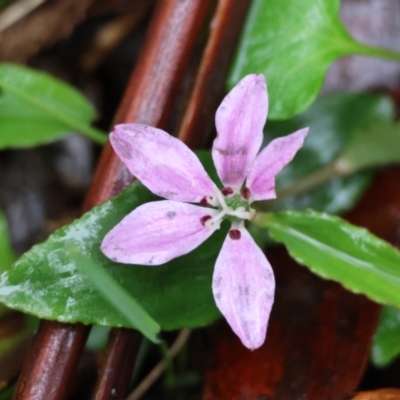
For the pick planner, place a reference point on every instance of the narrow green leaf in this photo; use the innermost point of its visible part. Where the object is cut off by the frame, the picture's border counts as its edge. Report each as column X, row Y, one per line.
column 293, row 43
column 332, row 120
column 36, row 108
column 47, row 283
column 7, row 255
column 334, row 249
column 372, row 146
column 386, row 343
column 118, row 297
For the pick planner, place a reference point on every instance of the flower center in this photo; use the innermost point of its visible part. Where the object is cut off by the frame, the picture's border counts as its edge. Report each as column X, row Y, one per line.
column 235, row 208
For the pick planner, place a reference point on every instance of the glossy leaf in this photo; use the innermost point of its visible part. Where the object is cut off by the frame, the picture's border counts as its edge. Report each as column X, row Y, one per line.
column 36, row 108
column 386, row 342
column 375, row 145
column 334, row 249
column 46, row 282
column 332, row 121
column 7, row 255
column 293, row 43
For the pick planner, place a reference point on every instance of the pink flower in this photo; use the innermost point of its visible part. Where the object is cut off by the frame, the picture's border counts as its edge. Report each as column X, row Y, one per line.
column 156, row 232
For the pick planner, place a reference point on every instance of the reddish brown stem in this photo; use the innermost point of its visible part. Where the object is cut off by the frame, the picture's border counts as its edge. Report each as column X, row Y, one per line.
column 153, row 85
column 116, row 372
column 51, row 361
column 209, row 86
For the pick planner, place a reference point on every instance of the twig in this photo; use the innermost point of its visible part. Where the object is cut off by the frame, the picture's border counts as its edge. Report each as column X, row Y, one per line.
column 157, row 371
column 17, row 11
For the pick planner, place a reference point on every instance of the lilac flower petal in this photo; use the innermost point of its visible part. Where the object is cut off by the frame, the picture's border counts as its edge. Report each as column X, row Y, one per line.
column 164, row 164
column 271, row 160
column 157, row 232
column 243, row 287
column 240, row 120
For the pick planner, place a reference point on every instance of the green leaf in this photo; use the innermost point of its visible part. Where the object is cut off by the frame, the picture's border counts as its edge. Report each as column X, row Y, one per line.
column 7, row 255
column 98, row 338
column 332, row 121
column 118, row 297
column 293, row 43
column 47, row 283
column 386, row 342
column 334, row 249
column 208, row 163
column 36, row 108
column 372, row 146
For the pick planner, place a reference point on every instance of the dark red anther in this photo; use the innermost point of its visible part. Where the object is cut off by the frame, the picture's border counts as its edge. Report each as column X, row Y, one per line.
column 204, row 219
column 204, row 201
column 226, row 191
column 245, row 193
column 235, row 234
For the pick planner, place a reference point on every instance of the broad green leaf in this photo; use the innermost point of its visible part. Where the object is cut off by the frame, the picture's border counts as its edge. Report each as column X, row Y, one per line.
column 7, row 255
column 36, row 108
column 372, row 146
column 386, row 342
column 334, row 249
column 293, row 43
column 332, row 120
column 118, row 297
column 47, row 283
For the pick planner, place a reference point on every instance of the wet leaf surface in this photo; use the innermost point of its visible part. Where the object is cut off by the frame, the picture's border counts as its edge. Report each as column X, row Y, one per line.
column 46, row 282
column 334, row 249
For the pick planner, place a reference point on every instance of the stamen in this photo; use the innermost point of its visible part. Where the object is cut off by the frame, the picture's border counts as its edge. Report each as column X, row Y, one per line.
column 204, row 219
column 222, row 202
column 226, row 191
column 204, row 201
column 215, row 222
column 235, row 234
column 245, row 193
column 240, row 213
